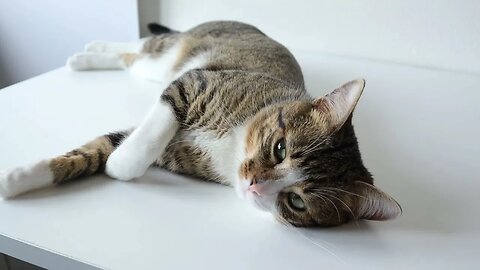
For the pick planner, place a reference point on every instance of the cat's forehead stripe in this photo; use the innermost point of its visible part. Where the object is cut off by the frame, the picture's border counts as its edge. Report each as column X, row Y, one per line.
column 280, row 119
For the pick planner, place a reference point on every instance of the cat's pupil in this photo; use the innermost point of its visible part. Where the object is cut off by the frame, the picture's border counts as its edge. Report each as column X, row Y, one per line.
column 280, row 150
column 296, row 201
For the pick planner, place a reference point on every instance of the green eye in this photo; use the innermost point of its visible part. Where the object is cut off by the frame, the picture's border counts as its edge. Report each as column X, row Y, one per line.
column 280, row 150
column 295, row 201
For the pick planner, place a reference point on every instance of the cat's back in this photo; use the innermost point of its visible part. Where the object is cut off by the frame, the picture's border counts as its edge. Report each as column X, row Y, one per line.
column 235, row 46
column 242, row 46
column 223, row 29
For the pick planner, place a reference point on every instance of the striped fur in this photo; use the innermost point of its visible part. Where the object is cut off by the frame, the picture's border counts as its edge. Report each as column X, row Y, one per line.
column 87, row 159
column 81, row 162
column 233, row 93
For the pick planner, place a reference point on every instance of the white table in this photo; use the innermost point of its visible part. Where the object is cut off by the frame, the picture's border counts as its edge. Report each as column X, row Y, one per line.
column 418, row 131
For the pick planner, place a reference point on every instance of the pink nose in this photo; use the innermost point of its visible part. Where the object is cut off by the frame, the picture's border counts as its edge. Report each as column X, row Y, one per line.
column 258, row 189
column 253, row 189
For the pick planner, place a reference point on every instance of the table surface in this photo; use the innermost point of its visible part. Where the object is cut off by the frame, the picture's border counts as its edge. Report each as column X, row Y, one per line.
column 418, row 132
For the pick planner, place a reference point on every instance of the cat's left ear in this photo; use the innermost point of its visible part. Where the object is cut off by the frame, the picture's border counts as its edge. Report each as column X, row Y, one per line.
column 340, row 103
column 374, row 204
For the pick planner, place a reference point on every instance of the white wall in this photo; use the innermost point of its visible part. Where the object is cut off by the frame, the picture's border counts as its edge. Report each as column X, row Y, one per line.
column 38, row 36
column 439, row 33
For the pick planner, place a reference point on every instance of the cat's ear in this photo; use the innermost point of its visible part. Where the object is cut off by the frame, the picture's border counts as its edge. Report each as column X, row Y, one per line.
column 340, row 103
column 375, row 204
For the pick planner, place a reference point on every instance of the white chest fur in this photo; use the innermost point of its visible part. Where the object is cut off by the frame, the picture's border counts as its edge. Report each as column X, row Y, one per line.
column 226, row 153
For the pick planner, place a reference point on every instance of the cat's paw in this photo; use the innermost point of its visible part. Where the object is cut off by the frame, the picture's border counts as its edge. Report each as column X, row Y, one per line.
column 125, row 165
column 80, row 61
column 9, row 182
column 23, row 179
column 96, row 46
column 93, row 60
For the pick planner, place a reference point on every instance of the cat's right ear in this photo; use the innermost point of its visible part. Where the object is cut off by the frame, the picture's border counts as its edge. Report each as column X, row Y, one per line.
column 374, row 204
column 339, row 104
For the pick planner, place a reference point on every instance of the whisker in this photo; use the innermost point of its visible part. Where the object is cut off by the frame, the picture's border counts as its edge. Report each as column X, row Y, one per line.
column 336, row 208
column 312, row 143
column 314, row 147
column 331, row 189
column 291, row 227
column 342, row 190
column 344, row 204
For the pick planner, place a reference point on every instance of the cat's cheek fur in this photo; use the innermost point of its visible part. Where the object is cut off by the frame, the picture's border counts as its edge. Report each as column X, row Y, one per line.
column 20, row 180
column 241, row 187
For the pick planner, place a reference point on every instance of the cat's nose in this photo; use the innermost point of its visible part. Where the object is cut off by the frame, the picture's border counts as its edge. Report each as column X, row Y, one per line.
column 257, row 188
column 254, row 189
column 255, row 181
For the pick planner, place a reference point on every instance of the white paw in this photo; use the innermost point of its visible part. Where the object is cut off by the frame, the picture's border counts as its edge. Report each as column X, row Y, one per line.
column 125, row 165
column 93, row 60
column 24, row 179
column 80, row 61
column 96, row 46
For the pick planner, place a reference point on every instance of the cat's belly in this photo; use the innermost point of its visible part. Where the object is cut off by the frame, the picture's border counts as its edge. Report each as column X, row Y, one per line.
column 226, row 154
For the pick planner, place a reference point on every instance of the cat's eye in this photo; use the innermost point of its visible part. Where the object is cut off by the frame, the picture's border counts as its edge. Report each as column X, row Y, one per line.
column 280, row 150
column 295, row 201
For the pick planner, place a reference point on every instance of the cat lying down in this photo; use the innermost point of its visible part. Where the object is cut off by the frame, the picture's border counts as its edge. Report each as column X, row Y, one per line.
column 233, row 110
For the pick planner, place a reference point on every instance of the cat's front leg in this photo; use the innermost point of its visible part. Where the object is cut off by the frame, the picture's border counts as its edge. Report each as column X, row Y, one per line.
column 146, row 143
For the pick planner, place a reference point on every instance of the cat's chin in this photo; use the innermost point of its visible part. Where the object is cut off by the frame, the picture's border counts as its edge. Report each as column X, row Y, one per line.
column 257, row 201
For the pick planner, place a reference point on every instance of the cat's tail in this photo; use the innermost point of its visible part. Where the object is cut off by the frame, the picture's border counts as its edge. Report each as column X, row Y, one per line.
column 83, row 161
column 158, row 29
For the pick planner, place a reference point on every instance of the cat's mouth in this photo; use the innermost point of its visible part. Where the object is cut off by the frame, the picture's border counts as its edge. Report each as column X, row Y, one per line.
column 259, row 195
column 258, row 201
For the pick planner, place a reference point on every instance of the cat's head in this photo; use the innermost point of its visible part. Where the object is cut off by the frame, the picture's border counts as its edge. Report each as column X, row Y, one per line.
column 303, row 164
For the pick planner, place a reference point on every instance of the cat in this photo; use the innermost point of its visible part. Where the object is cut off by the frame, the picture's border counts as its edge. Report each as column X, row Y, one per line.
column 233, row 110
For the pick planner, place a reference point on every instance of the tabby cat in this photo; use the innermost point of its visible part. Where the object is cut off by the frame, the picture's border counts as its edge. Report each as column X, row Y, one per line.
column 233, row 110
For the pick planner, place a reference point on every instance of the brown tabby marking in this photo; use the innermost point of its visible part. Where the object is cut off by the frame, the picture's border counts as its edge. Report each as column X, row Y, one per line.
column 252, row 80
column 86, row 160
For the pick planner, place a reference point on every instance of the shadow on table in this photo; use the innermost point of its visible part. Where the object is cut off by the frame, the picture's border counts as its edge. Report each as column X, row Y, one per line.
column 64, row 190
column 423, row 210
column 155, row 179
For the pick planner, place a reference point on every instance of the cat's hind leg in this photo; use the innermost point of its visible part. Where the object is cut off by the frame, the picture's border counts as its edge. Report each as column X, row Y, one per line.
column 106, row 61
column 106, row 55
column 83, row 161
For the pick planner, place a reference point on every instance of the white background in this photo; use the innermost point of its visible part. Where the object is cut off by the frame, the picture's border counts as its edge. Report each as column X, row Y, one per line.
column 38, row 36
column 439, row 33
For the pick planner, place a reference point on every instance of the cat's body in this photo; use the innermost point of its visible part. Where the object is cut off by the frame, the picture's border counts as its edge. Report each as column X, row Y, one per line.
column 233, row 110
